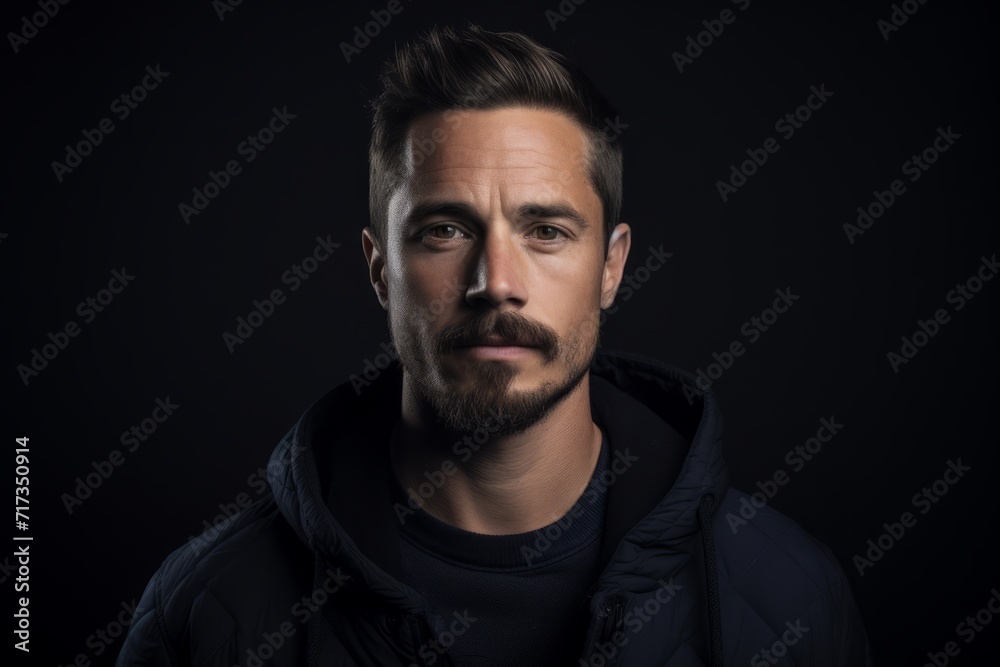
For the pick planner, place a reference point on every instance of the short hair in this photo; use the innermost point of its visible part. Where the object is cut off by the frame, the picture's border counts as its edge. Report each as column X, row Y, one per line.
column 474, row 69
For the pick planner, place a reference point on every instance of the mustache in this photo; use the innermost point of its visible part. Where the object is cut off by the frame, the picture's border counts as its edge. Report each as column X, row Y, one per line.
column 514, row 328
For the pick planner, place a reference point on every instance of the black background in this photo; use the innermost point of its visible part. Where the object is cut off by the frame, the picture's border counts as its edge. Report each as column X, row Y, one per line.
column 162, row 336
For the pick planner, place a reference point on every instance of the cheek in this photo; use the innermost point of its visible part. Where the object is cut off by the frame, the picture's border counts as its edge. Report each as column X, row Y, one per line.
column 585, row 312
column 584, row 289
column 422, row 294
column 585, row 325
column 575, row 316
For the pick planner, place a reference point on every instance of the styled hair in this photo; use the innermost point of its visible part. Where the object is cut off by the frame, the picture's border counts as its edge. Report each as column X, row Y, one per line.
column 474, row 69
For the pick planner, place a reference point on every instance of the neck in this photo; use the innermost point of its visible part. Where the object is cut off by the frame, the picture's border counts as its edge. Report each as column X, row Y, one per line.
column 505, row 485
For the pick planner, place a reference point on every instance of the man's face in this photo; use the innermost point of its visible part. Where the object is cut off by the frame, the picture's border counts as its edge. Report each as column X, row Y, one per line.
column 494, row 268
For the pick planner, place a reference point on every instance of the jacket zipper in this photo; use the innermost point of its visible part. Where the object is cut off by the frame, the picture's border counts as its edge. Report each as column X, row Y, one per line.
column 610, row 618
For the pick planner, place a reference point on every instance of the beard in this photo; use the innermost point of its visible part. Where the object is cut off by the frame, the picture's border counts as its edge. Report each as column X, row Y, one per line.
column 490, row 403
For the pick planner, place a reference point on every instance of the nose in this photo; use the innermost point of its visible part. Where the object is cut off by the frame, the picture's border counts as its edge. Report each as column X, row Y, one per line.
column 498, row 271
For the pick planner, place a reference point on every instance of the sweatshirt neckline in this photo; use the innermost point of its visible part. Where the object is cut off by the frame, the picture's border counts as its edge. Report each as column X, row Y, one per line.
column 579, row 527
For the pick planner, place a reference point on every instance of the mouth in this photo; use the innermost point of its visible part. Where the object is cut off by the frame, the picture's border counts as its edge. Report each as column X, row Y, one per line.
column 495, row 347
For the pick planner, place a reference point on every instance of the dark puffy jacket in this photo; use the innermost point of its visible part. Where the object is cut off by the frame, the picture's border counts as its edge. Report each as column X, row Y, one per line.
column 295, row 579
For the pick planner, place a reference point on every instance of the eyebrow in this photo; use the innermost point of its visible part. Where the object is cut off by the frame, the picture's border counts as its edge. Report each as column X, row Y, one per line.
column 564, row 211
column 427, row 209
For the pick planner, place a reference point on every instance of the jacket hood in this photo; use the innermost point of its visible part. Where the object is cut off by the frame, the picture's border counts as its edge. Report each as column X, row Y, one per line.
column 330, row 475
column 674, row 566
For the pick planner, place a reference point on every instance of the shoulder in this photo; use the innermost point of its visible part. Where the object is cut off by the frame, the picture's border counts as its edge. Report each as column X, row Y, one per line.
column 783, row 583
column 755, row 540
column 229, row 570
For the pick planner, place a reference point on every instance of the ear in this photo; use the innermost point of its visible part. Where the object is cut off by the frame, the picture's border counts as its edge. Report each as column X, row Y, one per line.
column 376, row 266
column 614, row 265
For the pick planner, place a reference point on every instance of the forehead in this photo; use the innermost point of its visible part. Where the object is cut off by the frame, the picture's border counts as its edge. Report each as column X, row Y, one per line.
column 514, row 152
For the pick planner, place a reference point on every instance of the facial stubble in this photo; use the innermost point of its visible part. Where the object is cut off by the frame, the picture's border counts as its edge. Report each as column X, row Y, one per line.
column 490, row 403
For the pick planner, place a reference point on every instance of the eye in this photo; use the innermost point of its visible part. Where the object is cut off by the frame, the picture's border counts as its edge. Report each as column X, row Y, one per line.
column 547, row 233
column 445, row 232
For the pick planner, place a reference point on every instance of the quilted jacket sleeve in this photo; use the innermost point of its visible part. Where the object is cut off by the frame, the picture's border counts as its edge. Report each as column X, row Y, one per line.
column 146, row 644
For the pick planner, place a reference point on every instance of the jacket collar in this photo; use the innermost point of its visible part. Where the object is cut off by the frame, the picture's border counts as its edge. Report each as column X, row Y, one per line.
column 644, row 407
column 329, row 474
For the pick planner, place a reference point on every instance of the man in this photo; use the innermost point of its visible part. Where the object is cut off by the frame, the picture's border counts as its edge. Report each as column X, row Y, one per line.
column 509, row 496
